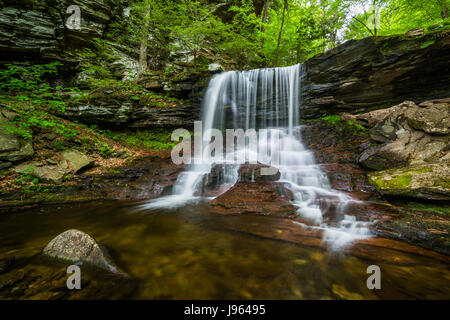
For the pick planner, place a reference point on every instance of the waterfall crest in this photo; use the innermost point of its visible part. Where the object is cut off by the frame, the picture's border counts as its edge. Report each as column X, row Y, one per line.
column 268, row 99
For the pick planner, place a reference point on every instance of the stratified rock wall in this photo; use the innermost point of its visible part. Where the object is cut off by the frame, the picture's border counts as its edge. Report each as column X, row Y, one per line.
column 375, row 73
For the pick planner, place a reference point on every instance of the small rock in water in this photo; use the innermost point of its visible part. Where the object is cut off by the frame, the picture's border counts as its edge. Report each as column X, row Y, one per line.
column 75, row 246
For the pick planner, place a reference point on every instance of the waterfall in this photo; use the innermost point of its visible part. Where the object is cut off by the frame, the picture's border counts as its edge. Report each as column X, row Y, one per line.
column 267, row 99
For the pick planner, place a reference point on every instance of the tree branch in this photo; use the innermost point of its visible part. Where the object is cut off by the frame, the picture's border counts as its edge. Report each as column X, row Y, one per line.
column 371, row 32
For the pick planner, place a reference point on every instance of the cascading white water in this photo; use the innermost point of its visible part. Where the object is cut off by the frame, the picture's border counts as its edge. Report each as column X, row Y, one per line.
column 268, row 99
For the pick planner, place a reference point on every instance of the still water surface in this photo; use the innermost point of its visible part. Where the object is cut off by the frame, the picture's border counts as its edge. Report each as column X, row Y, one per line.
column 190, row 253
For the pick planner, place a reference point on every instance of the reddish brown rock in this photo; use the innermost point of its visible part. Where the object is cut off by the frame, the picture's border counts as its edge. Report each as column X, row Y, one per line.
column 262, row 198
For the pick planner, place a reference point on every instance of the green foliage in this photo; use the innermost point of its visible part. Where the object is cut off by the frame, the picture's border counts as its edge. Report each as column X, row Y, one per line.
column 234, row 31
column 310, row 27
column 105, row 151
column 95, row 64
column 427, row 44
column 398, row 17
column 29, row 84
column 336, row 120
column 31, row 117
column 28, row 176
column 27, row 79
column 333, row 119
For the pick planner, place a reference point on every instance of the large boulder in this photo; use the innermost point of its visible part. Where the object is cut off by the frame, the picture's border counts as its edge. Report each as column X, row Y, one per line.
column 406, row 134
column 376, row 73
column 74, row 246
column 429, row 181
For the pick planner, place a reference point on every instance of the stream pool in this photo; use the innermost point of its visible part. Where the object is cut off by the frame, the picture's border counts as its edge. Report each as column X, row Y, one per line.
column 191, row 253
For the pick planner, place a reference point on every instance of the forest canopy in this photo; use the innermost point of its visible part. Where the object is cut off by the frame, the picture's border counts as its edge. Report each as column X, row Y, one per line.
column 270, row 32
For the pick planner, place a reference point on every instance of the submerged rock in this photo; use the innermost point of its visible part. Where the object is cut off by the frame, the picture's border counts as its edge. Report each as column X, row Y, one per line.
column 5, row 264
column 222, row 175
column 74, row 245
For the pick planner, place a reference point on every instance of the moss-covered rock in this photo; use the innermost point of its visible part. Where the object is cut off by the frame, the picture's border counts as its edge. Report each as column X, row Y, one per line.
column 429, row 181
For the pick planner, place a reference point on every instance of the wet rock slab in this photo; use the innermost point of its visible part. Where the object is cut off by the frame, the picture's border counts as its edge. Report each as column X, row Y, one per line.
column 262, row 198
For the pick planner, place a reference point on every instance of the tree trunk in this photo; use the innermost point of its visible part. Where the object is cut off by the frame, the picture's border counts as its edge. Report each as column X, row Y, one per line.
column 374, row 19
column 444, row 9
column 143, row 63
column 264, row 20
column 275, row 62
column 143, row 50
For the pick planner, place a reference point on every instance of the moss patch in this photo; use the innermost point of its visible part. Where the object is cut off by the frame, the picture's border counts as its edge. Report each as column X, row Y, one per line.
column 428, row 43
column 156, row 139
column 399, row 182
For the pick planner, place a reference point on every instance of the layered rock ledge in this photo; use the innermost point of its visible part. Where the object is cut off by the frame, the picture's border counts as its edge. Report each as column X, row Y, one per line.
column 376, row 73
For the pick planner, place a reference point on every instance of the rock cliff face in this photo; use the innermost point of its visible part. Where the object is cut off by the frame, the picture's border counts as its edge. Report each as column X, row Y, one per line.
column 39, row 32
column 375, row 73
column 36, row 31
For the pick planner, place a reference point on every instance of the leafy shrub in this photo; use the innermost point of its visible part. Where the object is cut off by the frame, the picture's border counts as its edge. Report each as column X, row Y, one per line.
column 19, row 79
